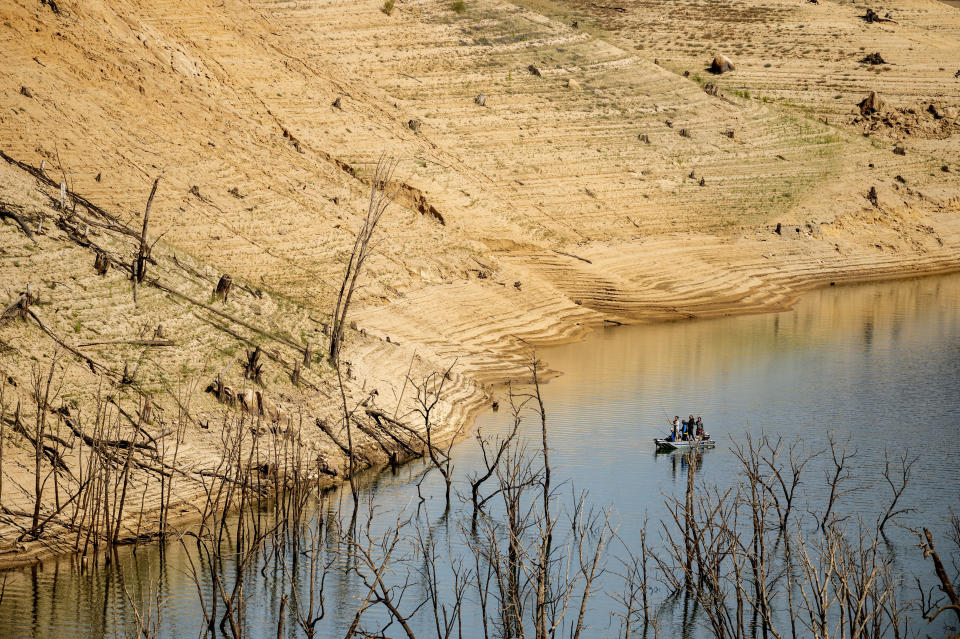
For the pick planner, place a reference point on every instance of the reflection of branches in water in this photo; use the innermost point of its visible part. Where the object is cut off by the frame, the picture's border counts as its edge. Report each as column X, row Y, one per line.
column 748, row 560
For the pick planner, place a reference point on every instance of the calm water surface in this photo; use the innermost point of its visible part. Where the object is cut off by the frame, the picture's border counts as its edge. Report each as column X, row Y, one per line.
column 879, row 364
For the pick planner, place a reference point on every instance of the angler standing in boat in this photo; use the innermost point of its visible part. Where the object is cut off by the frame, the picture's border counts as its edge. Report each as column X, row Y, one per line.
column 685, row 434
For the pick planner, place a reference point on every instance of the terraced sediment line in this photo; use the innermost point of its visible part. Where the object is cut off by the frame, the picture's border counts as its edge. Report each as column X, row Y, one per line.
column 658, row 280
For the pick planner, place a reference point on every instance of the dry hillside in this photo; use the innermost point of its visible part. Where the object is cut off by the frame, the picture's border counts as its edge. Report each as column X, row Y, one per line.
column 603, row 176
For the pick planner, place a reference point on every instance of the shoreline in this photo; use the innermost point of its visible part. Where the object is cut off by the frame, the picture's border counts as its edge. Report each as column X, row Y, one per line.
column 472, row 406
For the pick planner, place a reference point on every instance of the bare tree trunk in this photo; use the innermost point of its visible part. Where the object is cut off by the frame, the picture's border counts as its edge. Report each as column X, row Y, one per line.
column 543, row 575
column 946, row 586
column 362, row 247
column 3, row 415
column 42, row 399
column 140, row 264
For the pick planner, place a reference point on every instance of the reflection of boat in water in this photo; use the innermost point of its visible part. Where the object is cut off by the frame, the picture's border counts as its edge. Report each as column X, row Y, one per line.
column 666, row 446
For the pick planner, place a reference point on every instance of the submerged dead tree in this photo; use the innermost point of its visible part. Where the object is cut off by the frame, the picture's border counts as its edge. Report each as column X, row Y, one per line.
column 380, row 199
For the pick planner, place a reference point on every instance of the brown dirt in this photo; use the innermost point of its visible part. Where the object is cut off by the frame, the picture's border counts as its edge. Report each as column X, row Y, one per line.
column 547, row 185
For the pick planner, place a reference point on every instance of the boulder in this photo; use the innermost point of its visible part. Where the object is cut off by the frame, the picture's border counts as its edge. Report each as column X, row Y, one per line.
column 481, row 99
column 573, row 84
column 721, row 64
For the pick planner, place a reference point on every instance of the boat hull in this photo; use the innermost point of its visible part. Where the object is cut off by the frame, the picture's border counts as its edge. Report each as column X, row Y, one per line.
column 667, row 445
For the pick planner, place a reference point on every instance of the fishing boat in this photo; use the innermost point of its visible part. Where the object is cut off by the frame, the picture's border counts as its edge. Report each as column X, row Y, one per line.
column 666, row 445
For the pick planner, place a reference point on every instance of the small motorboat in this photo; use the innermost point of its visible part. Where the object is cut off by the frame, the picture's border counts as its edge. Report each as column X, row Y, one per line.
column 666, row 445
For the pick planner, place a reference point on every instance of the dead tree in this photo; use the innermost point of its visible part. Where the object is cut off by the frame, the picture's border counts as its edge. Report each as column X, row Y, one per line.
column 931, row 608
column 836, row 477
column 633, row 600
column 3, row 415
column 6, row 211
column 543, row 586
column 380, row 199
column 139, row 270
column 447, row 617
column 311, row 610
column 42, row 400
column 373, row 555
column 223, row 288
column 490, row 464
column 429, row 394
column 898, row 487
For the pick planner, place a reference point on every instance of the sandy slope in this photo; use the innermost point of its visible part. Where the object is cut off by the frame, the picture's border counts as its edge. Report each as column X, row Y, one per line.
column 521, row 222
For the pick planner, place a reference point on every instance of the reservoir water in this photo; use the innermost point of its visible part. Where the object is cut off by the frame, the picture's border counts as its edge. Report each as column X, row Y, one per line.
column 875, row 366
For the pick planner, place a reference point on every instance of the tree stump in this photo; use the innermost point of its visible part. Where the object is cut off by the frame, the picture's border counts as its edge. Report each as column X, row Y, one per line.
column 101, row 263
column 307, row 354
column 223, row 287
column 253, row 368
column 295, row 377
column 873, row 58
column 146, row 414
column 870, row 104
column 19, row 308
